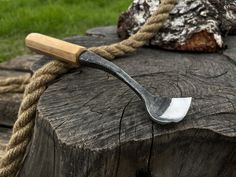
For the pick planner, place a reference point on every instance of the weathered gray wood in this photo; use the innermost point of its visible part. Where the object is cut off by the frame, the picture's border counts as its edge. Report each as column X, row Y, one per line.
column 89, row 124
column 105, row 31
column 4, row 137
column 21, row 63
column 230, row 52
column 9, row 106
column 10, row 102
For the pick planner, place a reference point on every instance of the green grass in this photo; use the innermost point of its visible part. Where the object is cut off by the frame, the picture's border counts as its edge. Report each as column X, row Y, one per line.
column 58, row 18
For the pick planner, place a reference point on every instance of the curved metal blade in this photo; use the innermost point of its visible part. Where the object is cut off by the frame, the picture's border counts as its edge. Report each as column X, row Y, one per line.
column 160, row 109
column 177, row 110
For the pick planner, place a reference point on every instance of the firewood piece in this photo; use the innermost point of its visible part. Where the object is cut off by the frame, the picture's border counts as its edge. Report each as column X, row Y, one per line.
column 20, row 63
column 5, row 134
column 192, row 26
column 10, row 102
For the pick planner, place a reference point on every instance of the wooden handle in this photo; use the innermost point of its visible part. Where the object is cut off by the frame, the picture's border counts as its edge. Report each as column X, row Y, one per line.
column 59, row 49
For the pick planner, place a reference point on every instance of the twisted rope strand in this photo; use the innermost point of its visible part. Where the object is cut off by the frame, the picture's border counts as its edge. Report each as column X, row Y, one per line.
column 15, row 80
column 147, row 31
column 14, row 84
column 23, row 127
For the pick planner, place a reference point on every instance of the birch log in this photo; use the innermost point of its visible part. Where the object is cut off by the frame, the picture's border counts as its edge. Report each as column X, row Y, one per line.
column 193, row 25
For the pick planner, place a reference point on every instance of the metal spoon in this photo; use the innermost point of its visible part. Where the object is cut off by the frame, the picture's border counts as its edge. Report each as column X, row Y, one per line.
column 162, row 110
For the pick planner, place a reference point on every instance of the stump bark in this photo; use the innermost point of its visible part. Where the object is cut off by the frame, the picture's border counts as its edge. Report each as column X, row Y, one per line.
column 89, row 124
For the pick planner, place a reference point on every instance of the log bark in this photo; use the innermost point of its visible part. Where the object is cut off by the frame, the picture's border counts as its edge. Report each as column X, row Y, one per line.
column 192, row 26
column 89, row 124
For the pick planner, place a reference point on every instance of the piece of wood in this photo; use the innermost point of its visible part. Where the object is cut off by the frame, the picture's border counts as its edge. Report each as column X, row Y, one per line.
column 53, row 47
column 9, row 106
column 5, row 134
column 10, row 102
column 105, row 31
column 192, row 25
column 21, row 63
column 230, row 52
column 89, row 124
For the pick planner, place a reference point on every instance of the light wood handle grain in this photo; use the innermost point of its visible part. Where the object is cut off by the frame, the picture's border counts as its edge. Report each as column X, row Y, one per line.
column 59, row 49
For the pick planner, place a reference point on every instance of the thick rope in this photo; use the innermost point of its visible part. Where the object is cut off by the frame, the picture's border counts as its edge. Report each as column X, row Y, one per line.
column 23, row 128
column 14, row 84
column 147, row 32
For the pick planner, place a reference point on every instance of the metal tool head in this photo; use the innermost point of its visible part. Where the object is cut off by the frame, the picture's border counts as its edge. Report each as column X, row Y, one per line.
column 161, row 110
column 168, row 110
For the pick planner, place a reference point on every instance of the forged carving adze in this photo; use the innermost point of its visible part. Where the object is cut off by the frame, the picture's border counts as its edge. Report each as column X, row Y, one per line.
column 162, row 110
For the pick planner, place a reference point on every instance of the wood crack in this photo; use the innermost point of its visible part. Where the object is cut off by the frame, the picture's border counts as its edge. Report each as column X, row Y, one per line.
column 209, row 77
column 185, row 153
column 180, row 170
column 17, row 70
column 228, row 160
column 232, row 61
column 87, row 167
column 150, row 152
column 65, row 120
column 6, row 126
column 178, row 86
column 54, row 154
column 119, row 140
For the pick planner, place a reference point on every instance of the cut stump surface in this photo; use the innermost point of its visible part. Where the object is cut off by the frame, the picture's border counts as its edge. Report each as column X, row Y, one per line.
column 90, row 124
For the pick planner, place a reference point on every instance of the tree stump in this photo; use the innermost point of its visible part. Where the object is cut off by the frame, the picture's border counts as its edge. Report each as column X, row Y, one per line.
column 89, row 124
